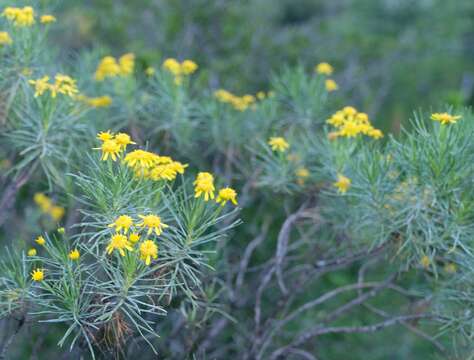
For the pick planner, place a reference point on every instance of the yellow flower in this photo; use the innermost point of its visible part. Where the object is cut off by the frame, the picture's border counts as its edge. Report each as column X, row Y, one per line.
column 445, row 118
column 425, row 261
column 173, row 66
column 119, row 242
column 188, row 67
column 37, row 275
column 167, row 171
column 324, row 68
column 42, row 85
column 204, row 184
column 107, row 67
column 127, row 64
column 123, row 140
column 331, row 85
column 375, row 133
column 150, row 71
column 343, row 183
column 226, row 194
column 74, row 255
column 65, row 85
column 32, row 252
column 148, row 250
column 153, row 223
column 349, row 110
column 104, row 136
column 97, row 102
column 57, row 213
column 5, row 38
column 43, row 202
column 278, row 144
column 122, row 222
column 134, row 237
column 450, row 268
column 110, row 147
column 261, row 95
column 47, row 19
column 141, row 158
column 40, row 240
column 302, row 172
column 21, row 17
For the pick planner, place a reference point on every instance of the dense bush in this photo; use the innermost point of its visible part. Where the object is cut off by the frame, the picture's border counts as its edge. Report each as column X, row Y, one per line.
column 144, row 213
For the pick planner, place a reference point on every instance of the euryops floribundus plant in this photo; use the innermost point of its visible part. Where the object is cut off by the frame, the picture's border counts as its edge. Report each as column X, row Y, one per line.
column 213, row 225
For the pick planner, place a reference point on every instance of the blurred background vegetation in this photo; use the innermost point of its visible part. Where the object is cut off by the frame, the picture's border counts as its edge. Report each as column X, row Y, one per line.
column 391, row 56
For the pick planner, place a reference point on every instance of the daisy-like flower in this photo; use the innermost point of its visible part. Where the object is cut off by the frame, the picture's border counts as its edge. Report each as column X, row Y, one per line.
column 278, row 144
column 331, row 85
column 141, row 159
column 324, row 68
column 47, row 19
column 343, row 183
column 148, row 251
column 5, row 38
column 226, row 194
column 109, row 148
column 425, row 261
column 123, row 140
column 32, row 252
column 37, row 275
column 122, row 222
column 153, row 223
column 126, row 64
column 104, row 136
column 204, row 184
column 134, row 237
column 74, row 255
column 445, row 118
column 40, row 240
column 188, row 67
column 57, row 212
column 119, row 242
column 173, row 66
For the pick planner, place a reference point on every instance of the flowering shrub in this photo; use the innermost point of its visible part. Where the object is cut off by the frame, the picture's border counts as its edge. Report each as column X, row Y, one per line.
column 233, row 246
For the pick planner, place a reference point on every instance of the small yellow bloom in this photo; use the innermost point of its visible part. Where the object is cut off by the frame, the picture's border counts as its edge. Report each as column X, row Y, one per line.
column 445, row 118
column 331, row 85
column 47, row 19
column 188, row 67
column 104, row 136
column 127, row 64
column 122, row 222
column 173, row 66
column 43, row 202
column 97, row 102
column 21, row 17
column 153, row 223
column 123, row 140
column 108, row 67
column 278, row 144
column 204, row 184
column 110, row 147
column 37, row 275
column 343, row 183
column 324, row 68
column 226, row 194
column 425, row 261
column 150, row 71
column 302, row 172
column 148, row 250
column 32, row 252
column 57, row 213
column 134, row 238
column 40, row 240
column 141, row 159
column 74, row 255
column 5, row 38
column 119, row 242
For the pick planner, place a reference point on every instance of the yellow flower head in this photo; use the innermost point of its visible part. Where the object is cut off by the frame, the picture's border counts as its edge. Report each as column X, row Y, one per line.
column 57, row 213
column 21, row 17
column 65, row 85
column 331, row 85
column 343, row 183
column 74, row 255
column 153, row 223
column 226, row 194
column 110, row 147
column 119, row 242
column 107, row 67
column 43, row 202
column 134, row 238
column 123, row 140
column 122, row 222
column 104, row 136
column 150, row 71
column 188, row 67
column 40, row 240
column 148, row 250
column 173, row 66
column 5, row 38
column 261, row 95
column 32, row 252
column 97, row 102
column 278, row 144
column 47, row 19
column 141, row 159
column 127, row 64
column 42, row 85
column 302, row 172
column 445, row 118
column 204, row 184
column 425, row 261
column 37, row 275
column 324, row 68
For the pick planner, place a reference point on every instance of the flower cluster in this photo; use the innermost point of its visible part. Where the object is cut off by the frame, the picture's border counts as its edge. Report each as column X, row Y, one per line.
column 350, row 123
column 5, row 38
column 326, row 69
column 185, row 68
column 21, row 17
column 121, row 242
column 113, row 144
column 111, row 67
column 240, row 103
column 204, row 186
column 63, row 84
column 47, row 206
